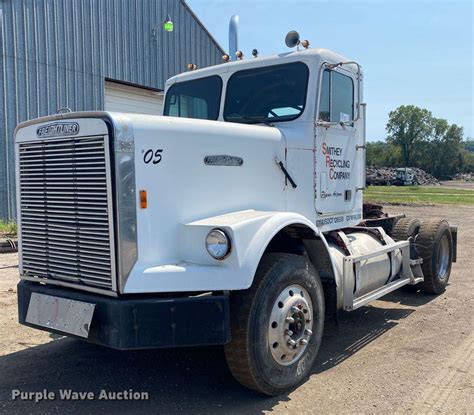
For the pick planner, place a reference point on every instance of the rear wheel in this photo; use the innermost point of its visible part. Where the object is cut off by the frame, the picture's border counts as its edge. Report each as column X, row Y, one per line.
column 405, row 228
column 276, row 325
column 435, row 245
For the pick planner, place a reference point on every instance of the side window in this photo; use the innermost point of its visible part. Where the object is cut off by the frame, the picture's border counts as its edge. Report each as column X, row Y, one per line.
column 337, row 97
column 189, row 107
column 198, row 98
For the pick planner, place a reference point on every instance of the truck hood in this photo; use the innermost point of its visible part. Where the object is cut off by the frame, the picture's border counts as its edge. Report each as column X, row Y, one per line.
column 194, row 169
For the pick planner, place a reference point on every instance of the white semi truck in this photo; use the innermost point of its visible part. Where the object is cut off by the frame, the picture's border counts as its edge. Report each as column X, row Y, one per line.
column 236, row 219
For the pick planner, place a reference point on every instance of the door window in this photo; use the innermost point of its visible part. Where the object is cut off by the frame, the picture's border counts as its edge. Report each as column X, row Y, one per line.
column 337, row 97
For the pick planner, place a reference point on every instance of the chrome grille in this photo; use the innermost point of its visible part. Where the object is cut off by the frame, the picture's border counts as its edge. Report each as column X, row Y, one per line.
column 65, row 212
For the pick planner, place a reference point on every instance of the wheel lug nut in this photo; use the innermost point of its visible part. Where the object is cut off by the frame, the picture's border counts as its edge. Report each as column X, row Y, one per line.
column 290, row 320
column 295, row 309
column 303, row 341
column 289, row 332
column 308, row 332
column 308, row 320
column 291, row 342
column 300, row 306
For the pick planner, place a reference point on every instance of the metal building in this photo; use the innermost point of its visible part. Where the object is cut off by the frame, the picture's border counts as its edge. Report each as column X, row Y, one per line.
column 89, row 55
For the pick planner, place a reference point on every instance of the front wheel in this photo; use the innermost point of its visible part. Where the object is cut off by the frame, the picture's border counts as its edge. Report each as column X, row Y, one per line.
column 276, row 325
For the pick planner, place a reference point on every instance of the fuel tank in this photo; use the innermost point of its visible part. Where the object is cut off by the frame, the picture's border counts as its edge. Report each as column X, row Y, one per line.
column 374, row 272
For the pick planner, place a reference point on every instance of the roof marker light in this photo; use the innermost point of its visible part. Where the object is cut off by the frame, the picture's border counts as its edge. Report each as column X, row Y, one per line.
column 305, row 44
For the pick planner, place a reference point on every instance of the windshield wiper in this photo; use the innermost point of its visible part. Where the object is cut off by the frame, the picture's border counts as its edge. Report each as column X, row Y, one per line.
column 255, row 119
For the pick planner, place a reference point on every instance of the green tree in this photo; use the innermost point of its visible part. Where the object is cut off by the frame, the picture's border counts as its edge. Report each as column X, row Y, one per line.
column 408, row 127
column 431, row 155
column 468, row 144
column 441, row 155
column 382, row 154
column 467, row 161
column 467, row 156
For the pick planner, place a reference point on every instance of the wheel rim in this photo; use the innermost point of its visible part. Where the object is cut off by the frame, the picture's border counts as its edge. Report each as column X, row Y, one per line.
column 290, row 325
column 443, row 258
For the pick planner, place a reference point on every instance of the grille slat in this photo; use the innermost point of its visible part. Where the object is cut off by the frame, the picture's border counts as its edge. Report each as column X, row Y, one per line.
column 66, row 211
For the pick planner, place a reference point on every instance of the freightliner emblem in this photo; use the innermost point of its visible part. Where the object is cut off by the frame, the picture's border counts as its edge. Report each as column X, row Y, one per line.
column 223, row 160
column 58, row 129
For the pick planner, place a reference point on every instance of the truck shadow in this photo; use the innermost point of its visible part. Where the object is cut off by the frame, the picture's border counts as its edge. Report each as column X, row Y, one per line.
column 413, row 298
column 177, row 380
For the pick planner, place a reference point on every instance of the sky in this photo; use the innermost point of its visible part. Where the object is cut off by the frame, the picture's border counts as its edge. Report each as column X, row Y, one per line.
column 416, row 52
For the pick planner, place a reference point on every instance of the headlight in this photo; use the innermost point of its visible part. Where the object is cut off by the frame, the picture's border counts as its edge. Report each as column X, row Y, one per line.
column 217, row 244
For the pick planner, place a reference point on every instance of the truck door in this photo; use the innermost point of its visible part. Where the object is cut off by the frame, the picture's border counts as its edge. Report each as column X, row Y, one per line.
column 338, row 169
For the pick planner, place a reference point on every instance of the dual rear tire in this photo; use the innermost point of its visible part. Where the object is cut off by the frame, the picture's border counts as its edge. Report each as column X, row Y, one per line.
column 433, row 243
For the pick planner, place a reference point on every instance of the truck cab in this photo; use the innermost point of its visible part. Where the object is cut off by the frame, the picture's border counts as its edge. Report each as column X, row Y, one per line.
column 236, row 218
column 314, row 99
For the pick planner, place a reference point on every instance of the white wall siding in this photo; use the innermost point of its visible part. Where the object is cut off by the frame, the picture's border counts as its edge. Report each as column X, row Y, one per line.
column 125, row 98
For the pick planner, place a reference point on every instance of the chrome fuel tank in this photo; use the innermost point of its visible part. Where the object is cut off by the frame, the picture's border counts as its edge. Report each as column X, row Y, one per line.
column 374, row 272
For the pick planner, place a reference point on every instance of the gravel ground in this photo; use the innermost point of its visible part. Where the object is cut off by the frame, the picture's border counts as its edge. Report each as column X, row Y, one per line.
column 406, row 353
column 458, row 184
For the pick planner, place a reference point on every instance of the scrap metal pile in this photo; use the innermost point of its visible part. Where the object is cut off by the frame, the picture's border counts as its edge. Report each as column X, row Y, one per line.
column 468, row 177
column 387, row 176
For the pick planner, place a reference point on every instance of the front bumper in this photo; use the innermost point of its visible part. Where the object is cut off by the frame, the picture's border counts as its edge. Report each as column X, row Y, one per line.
column 141, row 322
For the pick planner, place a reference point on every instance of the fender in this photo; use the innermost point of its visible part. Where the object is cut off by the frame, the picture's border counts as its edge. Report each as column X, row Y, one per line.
column 250, row 232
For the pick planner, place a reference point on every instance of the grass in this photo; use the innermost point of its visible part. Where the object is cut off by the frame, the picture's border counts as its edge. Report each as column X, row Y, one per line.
column 7, row 228
column 421, row 195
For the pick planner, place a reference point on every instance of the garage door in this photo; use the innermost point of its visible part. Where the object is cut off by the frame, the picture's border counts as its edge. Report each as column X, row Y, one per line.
column 125, row 98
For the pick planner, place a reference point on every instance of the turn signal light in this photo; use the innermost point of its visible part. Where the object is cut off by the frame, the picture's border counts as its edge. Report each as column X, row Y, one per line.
column 143, row 199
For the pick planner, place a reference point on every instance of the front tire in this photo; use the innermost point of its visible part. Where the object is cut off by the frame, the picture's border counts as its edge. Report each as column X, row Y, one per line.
column 276, row 325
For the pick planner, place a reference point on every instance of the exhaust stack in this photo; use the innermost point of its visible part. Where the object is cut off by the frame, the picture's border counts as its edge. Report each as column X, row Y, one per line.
column 233, row 36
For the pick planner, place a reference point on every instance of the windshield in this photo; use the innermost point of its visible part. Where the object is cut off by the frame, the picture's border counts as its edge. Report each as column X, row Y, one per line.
column 269, row 94
column 199, row 98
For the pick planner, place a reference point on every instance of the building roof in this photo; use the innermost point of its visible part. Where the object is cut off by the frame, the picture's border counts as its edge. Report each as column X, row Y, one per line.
column 213, row 39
